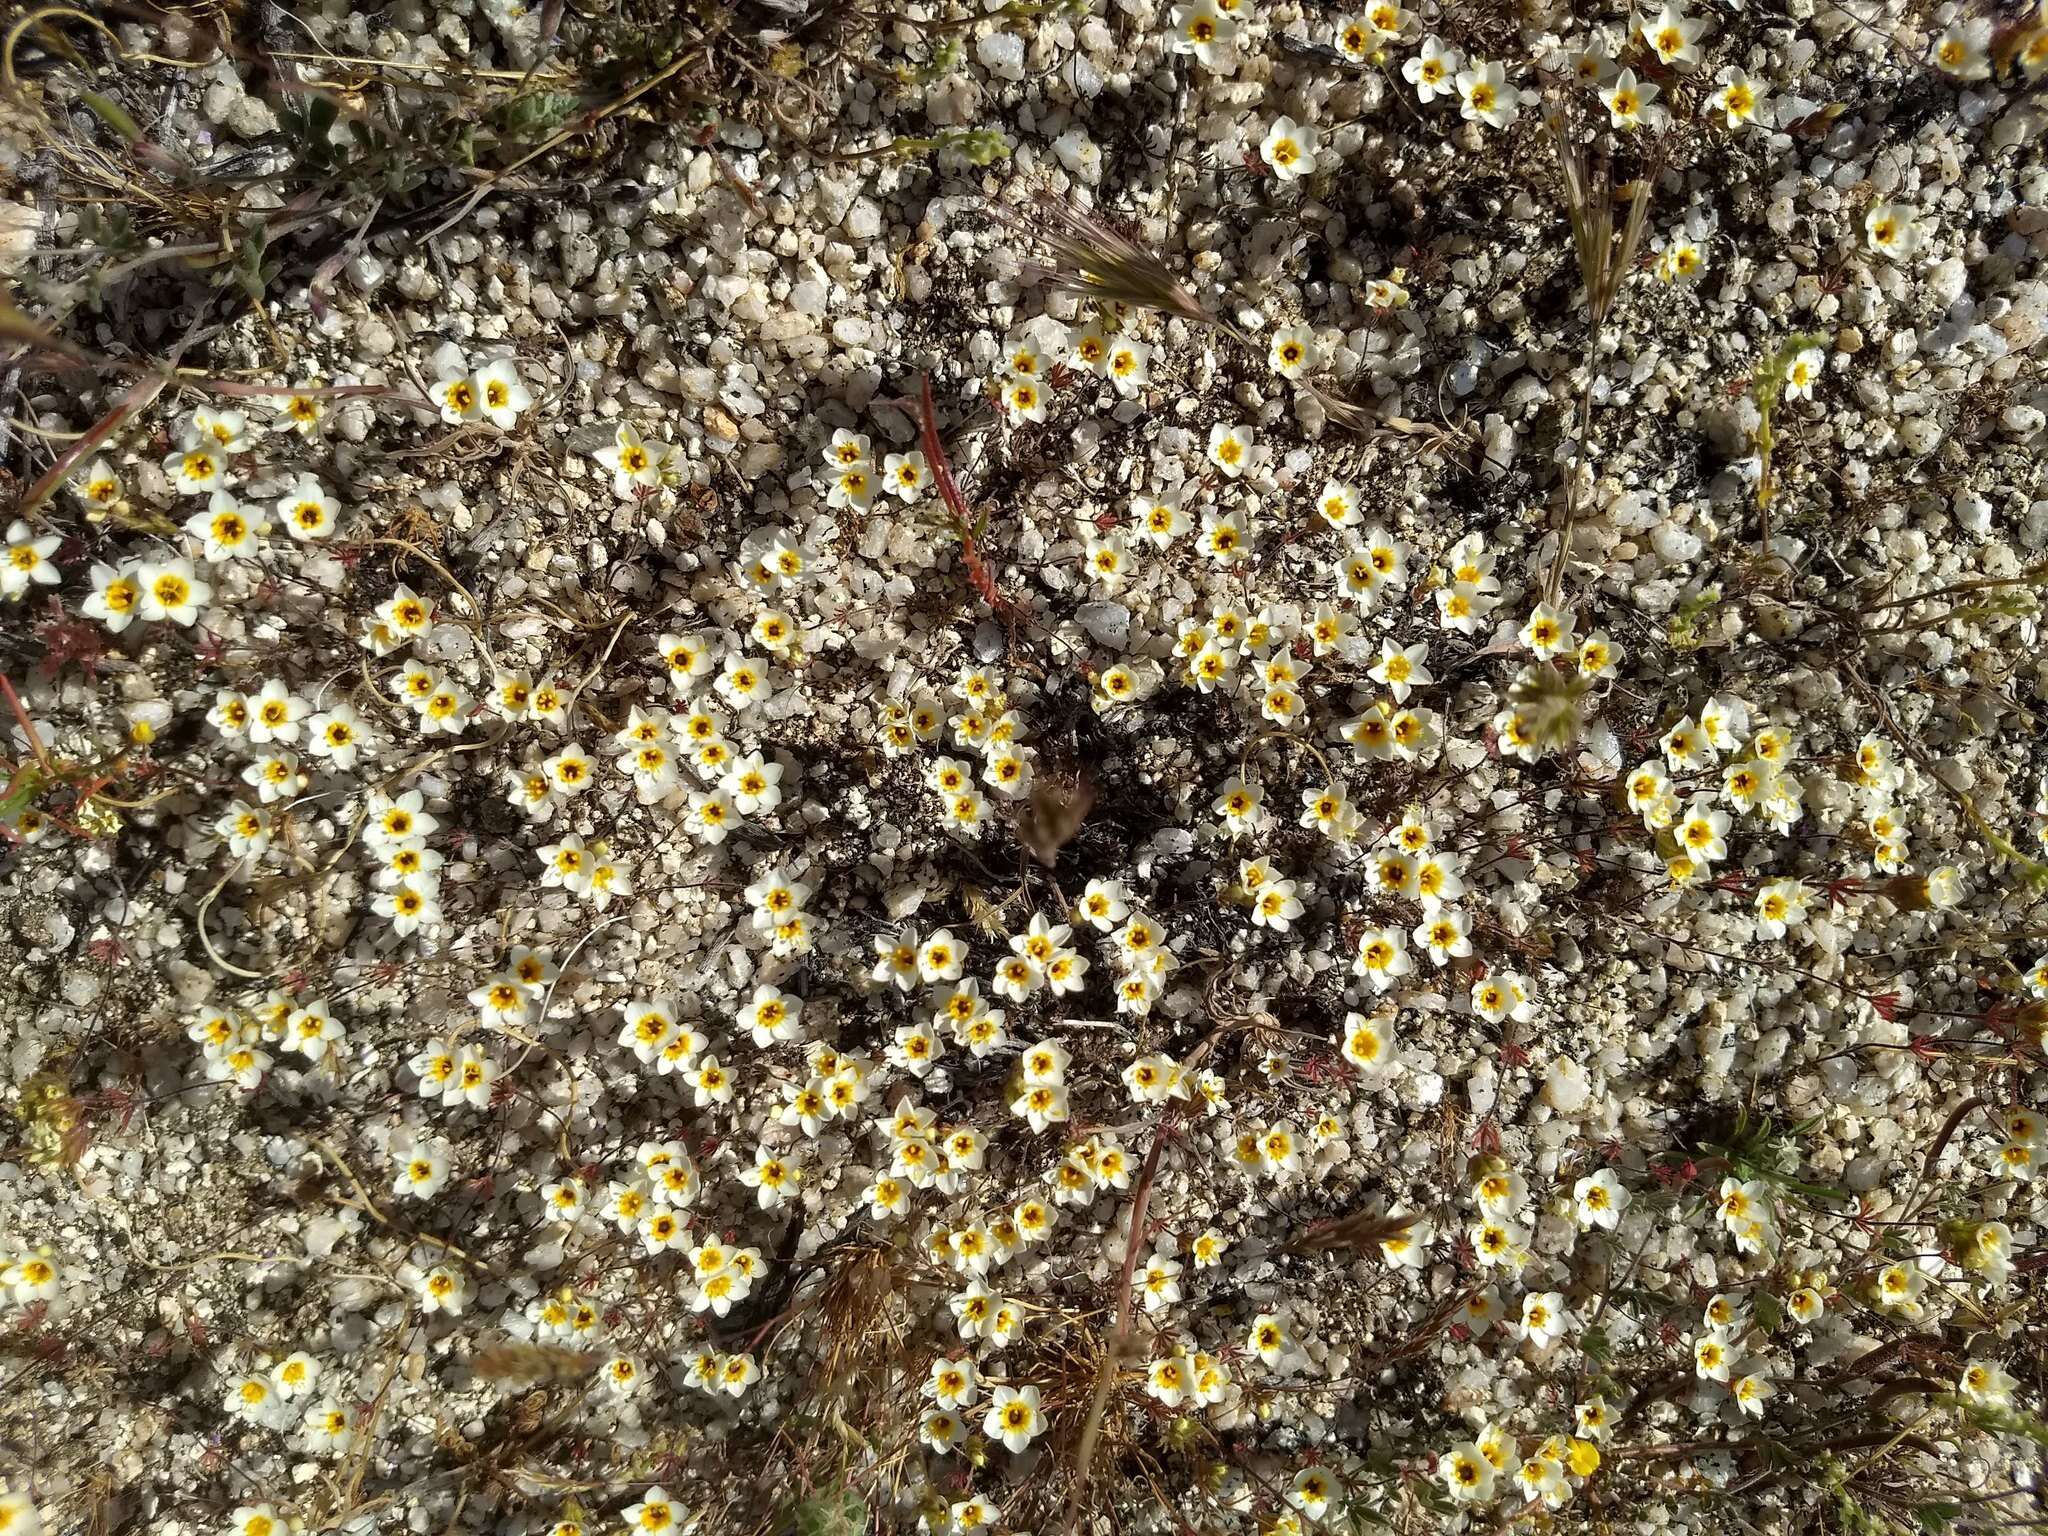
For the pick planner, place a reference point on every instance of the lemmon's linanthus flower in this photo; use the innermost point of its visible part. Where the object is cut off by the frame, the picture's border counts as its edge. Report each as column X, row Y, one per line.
column 636, row 463
column 26, row 561
column 1290, row 149
column 1672, row 36
column 1738, row 99
column 1891, row 231
column 1204, row 30
column 491, row 393
column 1485, row 96
column 1628, row 100
column 1433, row 71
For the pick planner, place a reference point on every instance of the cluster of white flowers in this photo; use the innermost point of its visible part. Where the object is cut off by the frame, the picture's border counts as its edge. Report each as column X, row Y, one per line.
column 1034, row 356
column 826, row 1086
column 236, row 1044
column 1483, row 1469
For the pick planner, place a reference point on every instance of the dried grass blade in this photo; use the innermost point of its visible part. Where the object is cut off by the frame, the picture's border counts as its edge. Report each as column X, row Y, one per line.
column 1087, row 257
column 137, row 399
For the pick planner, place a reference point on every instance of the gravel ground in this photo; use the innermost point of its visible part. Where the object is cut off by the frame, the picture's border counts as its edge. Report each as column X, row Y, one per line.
column 1049, row 767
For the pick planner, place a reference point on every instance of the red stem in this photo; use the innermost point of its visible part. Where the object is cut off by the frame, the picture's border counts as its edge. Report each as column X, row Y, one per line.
column 28, row 726
column 949, row 491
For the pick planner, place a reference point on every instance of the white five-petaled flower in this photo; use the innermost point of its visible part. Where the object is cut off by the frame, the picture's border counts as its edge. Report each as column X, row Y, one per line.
column 1803, row 372
column 1485, row 95
column 1738, row 100
column 500, row 397
column 1382, row 957
column 98, row 486
column 636, row 462
column 1891, row 230
column 1599, row 1200
column 1433, row 72
column 223, row 431
column 905, row 474
column 27, row 561
column 1963, row 51
column 1223, row 537
column 1544, row 1318
column 1230, row 448
column 1290, row 149
column 1357, row 39
column 225, row 530
column 1628, row 99
column 1386, row 18
column 1444, row 933
column 307, row 511
column 1013, row 1417
column 1204, row 30
column 171, row 591
column 1550, row 633
column 1294, row 351
column 1712, row 1355
column 199, row 470
column 1986, row 1385
column 1780, row 905
column 1467, row 1474
column 1673, row 37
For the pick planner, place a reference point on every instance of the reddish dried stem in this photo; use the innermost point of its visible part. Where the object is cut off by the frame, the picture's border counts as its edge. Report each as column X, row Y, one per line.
column 138, row 398
column 28, row 726
column 978, row 573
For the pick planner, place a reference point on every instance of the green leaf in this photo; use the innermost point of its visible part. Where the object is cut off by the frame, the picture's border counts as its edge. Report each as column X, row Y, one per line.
column 1598, row 1347
column 1436, row 1500
column 1833, row 1192
column 22, row 794
column 1770, row 1312
column 1380, row 1462
column 1361, row 1515
column 113, row 114
column 1937, row 1517
column 2005, row 1421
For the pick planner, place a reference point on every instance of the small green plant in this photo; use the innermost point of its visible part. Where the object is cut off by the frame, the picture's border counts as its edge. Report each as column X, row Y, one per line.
column 2004, row 1421
column 1763, row 1149
column 977, row 146
column 1767, row 388
column 1855, row 1519
column 1682, row 629
column 49, row 1112
column 840, row 1512
column 945, row 59
column 41, row 773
